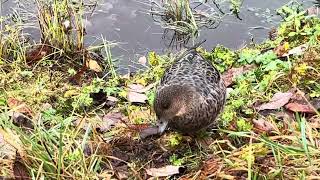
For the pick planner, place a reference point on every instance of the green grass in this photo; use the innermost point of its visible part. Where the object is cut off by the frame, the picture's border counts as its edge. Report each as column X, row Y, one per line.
column 64, row 141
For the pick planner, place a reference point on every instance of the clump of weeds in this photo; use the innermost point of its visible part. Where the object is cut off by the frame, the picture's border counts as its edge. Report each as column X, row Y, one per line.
column 183, row 19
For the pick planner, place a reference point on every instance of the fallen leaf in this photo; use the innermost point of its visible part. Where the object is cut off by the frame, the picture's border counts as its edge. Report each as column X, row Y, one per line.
column 122, row 172
column 81, row 122
column 230, row 75
column 9, row 137
column 313, row 10
column 142, row 60
column 287, row 115
column 296, row 51
column 263, row 125
column 107, row 175
column 164, row 171
column 139, row 127
column 70, row 93
column 297, row 107
column 96, row 147
column 314, row 122
column 93, row 65
column 110, row 120
column 210, row 167
column 37, row 52
column 76, row 79
column 6, row 150
column 135, row 97
column 113, row 99
column 316, row 103
column 140, row 88
column 281, row 49
column 20, row 119
column 20, row 170
column 46, row 106
column 19, row 106
column 273, row 34
column 135, row 87
column 278, row 100
column 149, row 131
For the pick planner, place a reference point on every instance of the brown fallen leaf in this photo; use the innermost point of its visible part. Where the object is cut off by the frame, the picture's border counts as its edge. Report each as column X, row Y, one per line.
column 296, row 51
column 164, row 171
column 314, row 122
column 281, row 49
column 149, row 131
column 81, row 122
column 107, row 175
column 37, row 52
column 135, row 97
column 278, row 100
column 263, row 125
column 112, row 99
column 230, row 75
column 110, row 120
column 286, row 115
column 7, row 151
column 122, row 172
column 135, row 87
column 139, row 127
column 93, row 65
column 299, row 107
column 76, row 79
column 20, row 171
column 140, row 88
column 211, row 167
column 313, row 10
column 19, row 106
column 273, row 34
column 316, row 103
column 21, row 120
column 12, row 140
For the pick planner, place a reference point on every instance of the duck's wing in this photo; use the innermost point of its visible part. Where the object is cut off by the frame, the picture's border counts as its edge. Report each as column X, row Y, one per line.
column 180, row 71
column 209, row 84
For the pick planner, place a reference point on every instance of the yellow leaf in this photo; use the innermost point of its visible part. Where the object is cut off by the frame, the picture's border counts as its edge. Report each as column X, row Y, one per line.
column 286, row 46
column 153, row 60
column 123, row 94
column 93, row 65
column 14, row 140
column 141, row 81
column 70, row 93
column 301, row 69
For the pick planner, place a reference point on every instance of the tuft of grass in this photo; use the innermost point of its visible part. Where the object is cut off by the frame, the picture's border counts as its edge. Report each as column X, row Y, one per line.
column 183, row 19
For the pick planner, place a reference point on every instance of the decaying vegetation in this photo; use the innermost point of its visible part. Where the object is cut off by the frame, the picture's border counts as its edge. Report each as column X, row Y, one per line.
column 66, row 114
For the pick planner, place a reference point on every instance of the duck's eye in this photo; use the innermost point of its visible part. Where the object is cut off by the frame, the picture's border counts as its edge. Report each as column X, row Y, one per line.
column 165, row 106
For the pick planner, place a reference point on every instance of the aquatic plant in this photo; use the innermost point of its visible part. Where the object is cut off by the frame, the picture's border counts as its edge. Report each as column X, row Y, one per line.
column 183, row 19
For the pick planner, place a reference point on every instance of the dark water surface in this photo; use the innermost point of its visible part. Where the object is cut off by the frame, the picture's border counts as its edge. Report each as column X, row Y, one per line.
column 127, row 22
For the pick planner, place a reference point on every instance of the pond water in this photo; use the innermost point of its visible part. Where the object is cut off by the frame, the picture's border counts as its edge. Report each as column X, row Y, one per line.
column 127, row 22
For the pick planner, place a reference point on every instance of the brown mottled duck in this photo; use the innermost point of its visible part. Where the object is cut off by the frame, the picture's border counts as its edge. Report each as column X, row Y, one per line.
column 190, row 96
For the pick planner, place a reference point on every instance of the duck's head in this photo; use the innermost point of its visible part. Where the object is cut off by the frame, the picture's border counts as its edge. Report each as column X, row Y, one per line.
column 170, row 103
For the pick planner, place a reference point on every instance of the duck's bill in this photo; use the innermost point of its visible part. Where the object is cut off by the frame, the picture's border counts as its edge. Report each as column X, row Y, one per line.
column 162, row 125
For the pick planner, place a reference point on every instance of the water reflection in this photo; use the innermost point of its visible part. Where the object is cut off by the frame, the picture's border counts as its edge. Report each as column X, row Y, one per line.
column 127, row 22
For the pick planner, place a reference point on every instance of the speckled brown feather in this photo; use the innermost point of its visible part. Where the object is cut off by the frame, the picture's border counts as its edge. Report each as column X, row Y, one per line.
column 196, row 84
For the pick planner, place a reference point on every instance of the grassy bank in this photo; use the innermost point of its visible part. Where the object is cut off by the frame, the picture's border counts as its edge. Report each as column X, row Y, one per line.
column 66, row 114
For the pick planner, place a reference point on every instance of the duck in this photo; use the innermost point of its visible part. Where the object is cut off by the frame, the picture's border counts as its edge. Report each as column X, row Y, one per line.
column 190, row 95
